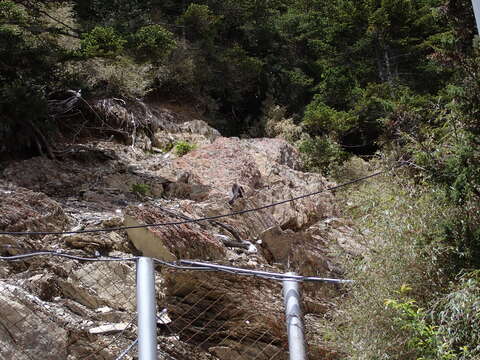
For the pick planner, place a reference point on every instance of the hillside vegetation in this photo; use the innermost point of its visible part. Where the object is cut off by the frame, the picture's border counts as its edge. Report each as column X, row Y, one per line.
column 388, row 81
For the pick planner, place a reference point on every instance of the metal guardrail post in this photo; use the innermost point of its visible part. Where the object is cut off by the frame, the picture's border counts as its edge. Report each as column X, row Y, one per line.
column 146, row 310
column 293, row 314
column 476, row 11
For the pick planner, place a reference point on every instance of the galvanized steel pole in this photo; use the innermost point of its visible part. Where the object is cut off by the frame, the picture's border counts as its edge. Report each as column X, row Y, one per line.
column 146, row 310
column 476, row 11
column 293, row 313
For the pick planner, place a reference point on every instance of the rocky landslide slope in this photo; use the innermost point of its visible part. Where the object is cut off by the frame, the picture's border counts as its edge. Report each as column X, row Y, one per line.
column 58, row 308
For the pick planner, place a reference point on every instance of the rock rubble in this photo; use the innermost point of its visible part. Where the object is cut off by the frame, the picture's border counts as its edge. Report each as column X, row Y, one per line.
column 66, row 309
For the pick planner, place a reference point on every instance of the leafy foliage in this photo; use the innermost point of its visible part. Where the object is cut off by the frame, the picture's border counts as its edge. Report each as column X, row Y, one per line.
column 320, row 118
column 321, row 153
column 123, row 15
column 424, row 337
column 199, row 22
column 394, row 249
column 141, row 189
column 450, row 331
column 11, row 12
column 183, row 147
column 153, row 42
column 102, row 41
column 457, row 315
column 121, row 77
column 26, row 64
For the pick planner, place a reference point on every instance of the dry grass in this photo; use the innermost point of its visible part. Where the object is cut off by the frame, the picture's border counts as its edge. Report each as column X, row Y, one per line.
column 398, row 222
column 119, row 77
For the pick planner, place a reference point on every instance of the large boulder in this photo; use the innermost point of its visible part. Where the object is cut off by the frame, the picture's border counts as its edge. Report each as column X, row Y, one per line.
column 266, row 170
column 276, row 151
column 196, row 132
column 185, row 241
column 299, row 251
column 219, row 165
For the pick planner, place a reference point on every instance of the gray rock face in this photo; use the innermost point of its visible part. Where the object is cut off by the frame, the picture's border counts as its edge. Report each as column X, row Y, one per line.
column 200, row 127
column 277, row 151
column 99, row 284
column 26, row 327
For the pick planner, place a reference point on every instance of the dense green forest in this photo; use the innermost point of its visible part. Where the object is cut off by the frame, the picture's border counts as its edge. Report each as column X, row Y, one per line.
column 388, row 80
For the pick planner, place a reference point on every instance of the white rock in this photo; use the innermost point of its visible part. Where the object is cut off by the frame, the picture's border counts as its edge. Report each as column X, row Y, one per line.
column 252, row 249
column 108, row 328
column 163, row 318
column 103, row 309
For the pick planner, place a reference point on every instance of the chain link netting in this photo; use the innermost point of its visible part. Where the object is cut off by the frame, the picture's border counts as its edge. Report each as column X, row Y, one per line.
column 60, row 308
column 55, row 307
column 318, row 304
column 219, row 315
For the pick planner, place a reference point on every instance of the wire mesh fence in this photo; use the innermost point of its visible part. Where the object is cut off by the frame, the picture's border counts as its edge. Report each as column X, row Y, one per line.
column 60, row 308
column 317, row 308
column 221, row 315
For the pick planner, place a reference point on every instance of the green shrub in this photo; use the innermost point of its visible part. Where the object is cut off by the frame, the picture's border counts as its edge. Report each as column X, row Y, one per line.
column 199, row 22
column 424, row 338
column 461, row 231
column 141, row 189
column 447, row 331
column 320, row 119
column 275, row 123
column 321, row 153
column 167, row 147
column 153, row 42
column 326, row 126
column 183, row 147
column 24, row 113
column 178, row 75
column 446, row 149
column 11, row 12
column 101, row 41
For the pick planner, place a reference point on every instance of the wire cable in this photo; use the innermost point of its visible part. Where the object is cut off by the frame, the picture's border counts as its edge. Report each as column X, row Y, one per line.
column 125, row 352
column 186, row 265
column 274, row 276
column 59, row 254
column 208, row 218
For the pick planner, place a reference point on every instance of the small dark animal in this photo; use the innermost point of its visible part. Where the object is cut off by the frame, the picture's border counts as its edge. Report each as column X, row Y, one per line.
column 237, row 192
